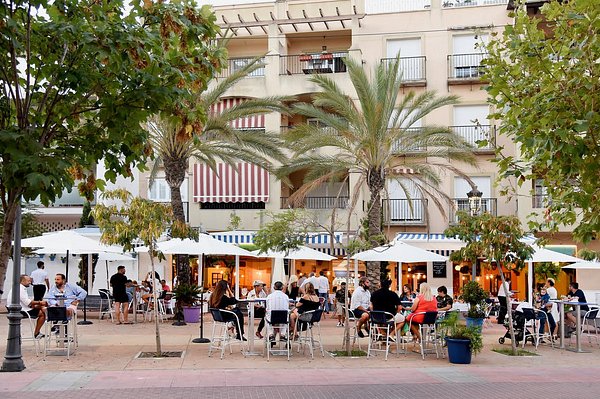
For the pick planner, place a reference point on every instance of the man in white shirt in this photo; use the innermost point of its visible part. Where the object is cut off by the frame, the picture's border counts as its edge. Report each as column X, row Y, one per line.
column 503, row 292
column 323, row 289
column 40, row 281
column 259, row 308
column 276, row 300
column 359, row 303
column 311, row 279
column 29, row 307
column 550, row 289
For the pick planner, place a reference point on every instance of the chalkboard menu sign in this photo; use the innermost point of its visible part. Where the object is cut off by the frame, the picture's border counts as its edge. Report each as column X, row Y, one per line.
column 439, row 269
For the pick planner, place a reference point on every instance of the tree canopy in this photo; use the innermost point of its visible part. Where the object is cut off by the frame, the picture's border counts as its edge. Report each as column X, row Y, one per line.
column 78, row 78
column 543, row 74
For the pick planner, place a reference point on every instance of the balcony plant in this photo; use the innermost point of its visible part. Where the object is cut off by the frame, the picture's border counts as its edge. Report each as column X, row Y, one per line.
column 187, row 296
column 462, row 341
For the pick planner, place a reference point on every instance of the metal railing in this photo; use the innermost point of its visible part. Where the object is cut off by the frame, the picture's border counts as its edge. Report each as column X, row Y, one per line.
column 236, row 64
column 471, row 3
column 404, row 211
column 313, row 63
column 412, row 69
column 392, row 6
column 488, row 205
column 317, row 203
column 473, row 134
column 465, row 66
column 402, row 148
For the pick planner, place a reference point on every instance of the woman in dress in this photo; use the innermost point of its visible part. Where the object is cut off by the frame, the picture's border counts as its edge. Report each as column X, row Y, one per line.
column 293, row 288
column 308, row 302
column 424, row 302
column 223, row 298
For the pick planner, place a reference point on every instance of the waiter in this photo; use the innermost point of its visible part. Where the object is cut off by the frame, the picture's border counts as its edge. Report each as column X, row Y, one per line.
column 40, row 281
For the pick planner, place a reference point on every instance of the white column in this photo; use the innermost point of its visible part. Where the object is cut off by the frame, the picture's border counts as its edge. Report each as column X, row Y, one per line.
column 530, row 282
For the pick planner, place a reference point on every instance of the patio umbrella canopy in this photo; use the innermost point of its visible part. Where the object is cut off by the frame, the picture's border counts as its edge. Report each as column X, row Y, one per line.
column 302, row 252
column 399, row 251
column 583, row 265
column 542, row 254
column 206, row 245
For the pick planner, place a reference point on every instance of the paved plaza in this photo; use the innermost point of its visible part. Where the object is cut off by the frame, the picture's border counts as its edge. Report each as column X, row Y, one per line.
column 105, row 366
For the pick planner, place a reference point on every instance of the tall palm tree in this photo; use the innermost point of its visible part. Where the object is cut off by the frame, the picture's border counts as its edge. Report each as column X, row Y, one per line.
column 219, row 140
column 373, row 137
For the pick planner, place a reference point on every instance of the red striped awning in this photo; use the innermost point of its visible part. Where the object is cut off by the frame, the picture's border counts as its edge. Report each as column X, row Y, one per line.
column 250, row 122
column 249, row 183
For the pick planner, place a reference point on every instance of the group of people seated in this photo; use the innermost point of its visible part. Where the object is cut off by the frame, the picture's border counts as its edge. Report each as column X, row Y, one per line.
column 60, row 294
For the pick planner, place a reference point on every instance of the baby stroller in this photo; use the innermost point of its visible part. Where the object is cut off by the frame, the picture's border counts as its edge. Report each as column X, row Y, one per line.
column 519, row 318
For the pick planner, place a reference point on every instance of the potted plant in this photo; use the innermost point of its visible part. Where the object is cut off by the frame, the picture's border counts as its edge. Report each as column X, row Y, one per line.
column 186, row 296
column 475, row 296
column 462, row 341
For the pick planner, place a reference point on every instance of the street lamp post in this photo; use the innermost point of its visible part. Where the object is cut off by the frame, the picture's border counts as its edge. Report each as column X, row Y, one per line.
column 474, row 197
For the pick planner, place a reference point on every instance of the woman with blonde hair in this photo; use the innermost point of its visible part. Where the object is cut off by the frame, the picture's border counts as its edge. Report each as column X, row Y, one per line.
column 425, row 302
column 292, row 287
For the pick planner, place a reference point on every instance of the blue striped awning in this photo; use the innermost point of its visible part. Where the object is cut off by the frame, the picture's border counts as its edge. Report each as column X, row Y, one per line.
column 438, row 243
column 408, row 237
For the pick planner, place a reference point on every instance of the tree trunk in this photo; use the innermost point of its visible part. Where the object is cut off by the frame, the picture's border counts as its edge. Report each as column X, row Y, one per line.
column 376, row 183
column 156, row 325
column 10, row 215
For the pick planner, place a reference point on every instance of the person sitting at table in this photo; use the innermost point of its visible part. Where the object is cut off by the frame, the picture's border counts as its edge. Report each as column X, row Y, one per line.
column 385, row 300
column 575, row 292
column 164, row 286
column 407, row 295
column 292, row 287
column 551, row 289
column 276, row 300
column 425, row 302
column 258, row 291
column 359, row 304
column 444, row 301
column 309, row 301
column 72, row 294
column 29, row 307
column 544, row 305
column 223, row 298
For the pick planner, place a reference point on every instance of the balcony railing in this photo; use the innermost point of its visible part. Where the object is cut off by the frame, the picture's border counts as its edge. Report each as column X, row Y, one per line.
column 473, row 134
column 313, row 63
column 471, row 3
column 317, row 203
column 465, row 66
column 402, row 148
column 236, row 64
column 404, row 211
column 392, row 6
column 411, row 68
column 488, row 205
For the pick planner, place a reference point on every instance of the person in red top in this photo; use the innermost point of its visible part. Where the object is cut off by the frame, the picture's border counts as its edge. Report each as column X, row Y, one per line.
column 425, row 302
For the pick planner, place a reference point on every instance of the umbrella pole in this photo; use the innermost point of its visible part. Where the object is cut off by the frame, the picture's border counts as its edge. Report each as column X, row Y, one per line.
column 85, row 321
column 201, row 339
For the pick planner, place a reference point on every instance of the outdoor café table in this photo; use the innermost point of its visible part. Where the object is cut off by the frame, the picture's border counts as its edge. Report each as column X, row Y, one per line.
column 251, row 302
column 577, row 306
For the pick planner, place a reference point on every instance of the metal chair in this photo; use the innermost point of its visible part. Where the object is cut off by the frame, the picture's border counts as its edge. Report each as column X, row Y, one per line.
column 107, row 305
column 149, row 312
column 280, row 319
column 305, row 324
column 224, row 321
column 428, row 332
column 381, row 325
column 353, row 329
column 56, row 316
column 589, row 321
column 31, row 337
column 531, row 322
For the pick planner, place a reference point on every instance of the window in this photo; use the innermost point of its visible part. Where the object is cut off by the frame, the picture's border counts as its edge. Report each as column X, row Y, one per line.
column 471, row 123
column 467, row 56
column 540, row 194
column 161, row 192
column 412, row 61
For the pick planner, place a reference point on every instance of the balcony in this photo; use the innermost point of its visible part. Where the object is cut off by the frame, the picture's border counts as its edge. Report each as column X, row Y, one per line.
column 400, row 148
column 465, row 68
column 411, row 68
column 317, row 203
column 488, row 205
column 404, row 212
column 313, row 63
column 473, row 134
column 472, row 3
column 393, row 6
column 236, row 64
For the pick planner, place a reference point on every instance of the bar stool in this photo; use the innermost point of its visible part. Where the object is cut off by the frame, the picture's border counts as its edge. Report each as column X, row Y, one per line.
column 280, row 319
column 223, row 321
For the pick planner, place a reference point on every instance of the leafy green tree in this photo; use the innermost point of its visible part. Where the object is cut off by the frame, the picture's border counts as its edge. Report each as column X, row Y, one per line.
column 495, row 238
column 543, row 74
column 77, row 81
column 135, row 219
column 373, row 137
column 285, row 232
column 218, row 140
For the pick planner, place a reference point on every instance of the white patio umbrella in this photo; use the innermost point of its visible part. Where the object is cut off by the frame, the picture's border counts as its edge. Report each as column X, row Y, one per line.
column 278, row 273
column 583, row 265
column 302, row 252
column 398, row 251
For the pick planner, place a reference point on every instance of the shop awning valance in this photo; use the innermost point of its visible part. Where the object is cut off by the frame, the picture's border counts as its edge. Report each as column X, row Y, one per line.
column 243, row 183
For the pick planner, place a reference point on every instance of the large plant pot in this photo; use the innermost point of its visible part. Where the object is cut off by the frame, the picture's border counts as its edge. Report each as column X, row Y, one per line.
column 459, row 350
column 191, row 314
column 475, row 322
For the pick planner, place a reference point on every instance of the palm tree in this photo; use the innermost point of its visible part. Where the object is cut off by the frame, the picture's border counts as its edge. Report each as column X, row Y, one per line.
column 374, row 137
column 219, row 141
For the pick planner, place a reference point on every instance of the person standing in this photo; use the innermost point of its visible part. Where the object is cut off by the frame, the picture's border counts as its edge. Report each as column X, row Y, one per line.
column 118, row 282
column 503, row 292
column 323, row 290
column 40, row 282
column 340, row 302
